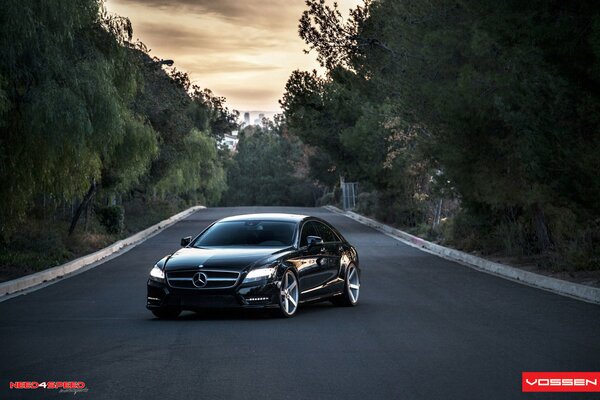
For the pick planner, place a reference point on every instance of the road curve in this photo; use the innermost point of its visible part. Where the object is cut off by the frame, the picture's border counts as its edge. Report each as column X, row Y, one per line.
column 426, row 328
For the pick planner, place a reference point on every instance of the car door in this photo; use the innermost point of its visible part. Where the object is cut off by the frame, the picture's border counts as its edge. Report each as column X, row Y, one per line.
column 330, row 257
column 311, row 271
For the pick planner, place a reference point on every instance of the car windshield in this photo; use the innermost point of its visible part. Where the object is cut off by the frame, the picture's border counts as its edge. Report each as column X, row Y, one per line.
column 248, row 233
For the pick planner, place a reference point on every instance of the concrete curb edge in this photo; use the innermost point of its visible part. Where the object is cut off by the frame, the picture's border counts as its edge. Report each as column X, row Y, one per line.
column 570, row 289
column 15, row 286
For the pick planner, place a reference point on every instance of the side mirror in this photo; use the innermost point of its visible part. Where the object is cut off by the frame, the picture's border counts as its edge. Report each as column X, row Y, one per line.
column 314, row 241
column 185, row 241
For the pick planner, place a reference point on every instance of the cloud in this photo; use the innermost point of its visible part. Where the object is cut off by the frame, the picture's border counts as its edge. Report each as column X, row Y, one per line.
column 227, row 66
column 241, row 49
column 206, row 38
column 266, row 13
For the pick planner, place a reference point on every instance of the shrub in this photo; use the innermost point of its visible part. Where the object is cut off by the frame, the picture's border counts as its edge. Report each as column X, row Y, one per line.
column 37, row 239
column 37, row 246
column 465, row 231
column 112, row 218
column 326, row 199
column 368, row 202
column 510, row 238
column 302, row 194
column 583, row 251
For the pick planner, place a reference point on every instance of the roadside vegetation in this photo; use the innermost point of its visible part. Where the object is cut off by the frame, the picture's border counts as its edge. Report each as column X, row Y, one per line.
column 97, row 138
column 474, row 123
column 270, row 168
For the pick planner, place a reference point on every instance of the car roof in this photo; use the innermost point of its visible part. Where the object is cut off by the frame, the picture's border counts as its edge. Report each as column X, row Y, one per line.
column 266, row 217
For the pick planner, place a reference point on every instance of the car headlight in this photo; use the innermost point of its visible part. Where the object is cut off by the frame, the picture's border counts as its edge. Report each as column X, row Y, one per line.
column 260, row 274
column 157, row 274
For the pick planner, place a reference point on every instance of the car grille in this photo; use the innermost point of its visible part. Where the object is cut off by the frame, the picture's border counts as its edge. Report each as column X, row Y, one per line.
column 215, row 279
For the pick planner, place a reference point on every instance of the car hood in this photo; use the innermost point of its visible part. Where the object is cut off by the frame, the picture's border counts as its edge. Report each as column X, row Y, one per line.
column 234, row 259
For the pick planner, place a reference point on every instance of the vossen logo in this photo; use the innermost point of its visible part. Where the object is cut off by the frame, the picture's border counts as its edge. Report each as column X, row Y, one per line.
column 560, row 381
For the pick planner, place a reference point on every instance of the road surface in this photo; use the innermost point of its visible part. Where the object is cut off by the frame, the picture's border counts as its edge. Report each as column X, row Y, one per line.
column 426, row 328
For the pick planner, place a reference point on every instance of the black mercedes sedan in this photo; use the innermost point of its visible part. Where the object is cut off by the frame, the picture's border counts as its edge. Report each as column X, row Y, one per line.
column 276, row 261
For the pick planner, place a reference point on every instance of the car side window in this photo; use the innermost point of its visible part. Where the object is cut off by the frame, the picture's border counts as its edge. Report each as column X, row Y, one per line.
column 327, row 234
column 309, row 229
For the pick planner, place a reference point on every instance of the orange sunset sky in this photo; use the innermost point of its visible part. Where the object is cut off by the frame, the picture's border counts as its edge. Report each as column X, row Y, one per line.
column 241, row 49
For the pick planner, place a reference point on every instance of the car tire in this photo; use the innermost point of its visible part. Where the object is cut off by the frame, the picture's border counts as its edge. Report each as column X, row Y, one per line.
column 349, row 297
column 289, row 293
column 166, row 313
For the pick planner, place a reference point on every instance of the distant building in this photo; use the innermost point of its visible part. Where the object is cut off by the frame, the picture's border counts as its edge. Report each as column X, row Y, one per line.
column 256, row 117
column 230, row 141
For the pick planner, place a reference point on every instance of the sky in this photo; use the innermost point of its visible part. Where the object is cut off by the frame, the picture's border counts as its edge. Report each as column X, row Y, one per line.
column 244, row 50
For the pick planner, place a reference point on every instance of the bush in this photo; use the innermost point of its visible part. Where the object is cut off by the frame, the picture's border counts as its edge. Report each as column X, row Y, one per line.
column 36, row 246
column 37, row 239
column 302, row 194
column 583, row 251
column 511, row 238
column 465, row 231
column 112, row 218
column 396, row 209
column 368, row 202
column 326, row 199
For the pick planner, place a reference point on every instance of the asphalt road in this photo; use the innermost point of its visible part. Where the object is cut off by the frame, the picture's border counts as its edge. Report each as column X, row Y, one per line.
column 426, row 328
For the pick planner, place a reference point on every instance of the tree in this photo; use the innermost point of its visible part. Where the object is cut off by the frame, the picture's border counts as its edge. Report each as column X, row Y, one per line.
column 264, row 171
column 85, row 112
column 498, row 101
column 66, row 117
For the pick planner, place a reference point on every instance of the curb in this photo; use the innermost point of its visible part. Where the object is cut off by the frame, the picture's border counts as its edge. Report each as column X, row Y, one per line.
column 9, row 288
column 570, row 289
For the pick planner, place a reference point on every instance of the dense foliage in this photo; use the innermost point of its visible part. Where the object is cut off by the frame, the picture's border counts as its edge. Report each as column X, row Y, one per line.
column 267, row 169
column 85, row 114
column 88, row 120
column 473, row 121
column 490, row 104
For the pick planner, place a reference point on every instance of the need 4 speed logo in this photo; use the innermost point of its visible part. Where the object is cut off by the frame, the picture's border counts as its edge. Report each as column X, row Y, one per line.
column 63, row 385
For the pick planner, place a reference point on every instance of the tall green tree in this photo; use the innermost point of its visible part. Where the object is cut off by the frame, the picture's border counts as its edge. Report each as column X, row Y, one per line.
column 86, row 113
column 67, row 83
column 189, row 122
column 265, row 169
column 497, row 101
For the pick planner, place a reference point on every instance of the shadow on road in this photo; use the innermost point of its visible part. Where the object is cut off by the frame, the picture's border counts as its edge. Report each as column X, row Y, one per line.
column 217, row 314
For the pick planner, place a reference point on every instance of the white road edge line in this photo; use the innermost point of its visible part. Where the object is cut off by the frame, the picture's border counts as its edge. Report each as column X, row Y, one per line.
column 42, row 279
column 564, row 288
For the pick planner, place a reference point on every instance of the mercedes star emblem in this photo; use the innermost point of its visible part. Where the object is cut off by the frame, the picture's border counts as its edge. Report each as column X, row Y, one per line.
column 199, row 280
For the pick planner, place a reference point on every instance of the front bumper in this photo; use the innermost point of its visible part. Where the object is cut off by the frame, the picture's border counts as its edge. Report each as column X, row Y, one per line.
column 253, row 295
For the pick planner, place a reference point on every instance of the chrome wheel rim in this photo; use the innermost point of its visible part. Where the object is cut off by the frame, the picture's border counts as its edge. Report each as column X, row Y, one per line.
column 353, row 284
column 289, row 293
